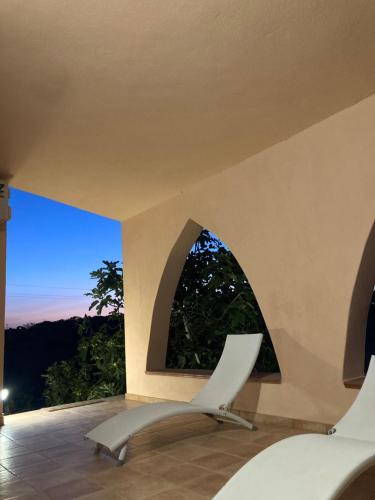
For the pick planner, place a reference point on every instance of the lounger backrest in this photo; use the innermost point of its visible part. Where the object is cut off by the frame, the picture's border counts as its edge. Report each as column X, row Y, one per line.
column 359, row 421
column 231, row 373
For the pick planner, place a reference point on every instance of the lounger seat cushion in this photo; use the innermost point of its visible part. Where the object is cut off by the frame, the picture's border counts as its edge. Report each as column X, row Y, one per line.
column 313, row 466
column 136, row 419
column 305, row 467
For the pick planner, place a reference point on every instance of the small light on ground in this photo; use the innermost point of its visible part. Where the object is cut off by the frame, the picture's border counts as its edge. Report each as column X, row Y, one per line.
column 4, row 393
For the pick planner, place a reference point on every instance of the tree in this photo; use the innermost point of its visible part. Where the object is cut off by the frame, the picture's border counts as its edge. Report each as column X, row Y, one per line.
column 213, row 299
column 109, row 290
column 98, row 368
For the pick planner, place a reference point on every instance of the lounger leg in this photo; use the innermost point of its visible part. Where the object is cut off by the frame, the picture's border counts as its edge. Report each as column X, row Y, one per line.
column 213, row 417
column 238, row 420
column 122, row 455
column 98, row 448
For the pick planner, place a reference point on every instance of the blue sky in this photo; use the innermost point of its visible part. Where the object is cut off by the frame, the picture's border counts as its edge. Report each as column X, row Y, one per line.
column 51, row 250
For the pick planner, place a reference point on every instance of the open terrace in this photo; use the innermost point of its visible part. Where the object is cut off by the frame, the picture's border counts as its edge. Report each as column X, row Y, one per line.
column 254, row 121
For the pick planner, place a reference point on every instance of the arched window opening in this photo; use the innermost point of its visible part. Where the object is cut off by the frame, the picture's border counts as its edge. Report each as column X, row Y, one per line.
column 213, row 299
column 360, row 339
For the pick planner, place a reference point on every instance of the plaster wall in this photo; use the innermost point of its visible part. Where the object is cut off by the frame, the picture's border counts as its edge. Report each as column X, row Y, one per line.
column 298, row 217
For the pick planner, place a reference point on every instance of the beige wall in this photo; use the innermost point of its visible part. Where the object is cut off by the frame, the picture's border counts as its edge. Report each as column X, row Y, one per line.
column 297, row 217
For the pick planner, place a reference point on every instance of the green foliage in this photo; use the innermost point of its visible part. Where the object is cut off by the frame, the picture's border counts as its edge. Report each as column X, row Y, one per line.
column 109, row 291
column 98, row 368
column 63, row 384
column 213, row 299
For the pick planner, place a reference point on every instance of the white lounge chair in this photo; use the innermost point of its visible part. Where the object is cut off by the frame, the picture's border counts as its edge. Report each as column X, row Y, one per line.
column 233, row 370
column 312, row 466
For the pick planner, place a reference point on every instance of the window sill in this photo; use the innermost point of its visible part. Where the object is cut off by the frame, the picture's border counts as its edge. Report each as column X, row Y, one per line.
column 354, row 383
column 264, row 378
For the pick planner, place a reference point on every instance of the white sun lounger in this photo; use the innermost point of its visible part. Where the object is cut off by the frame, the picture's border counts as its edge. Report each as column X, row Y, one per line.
column 233, row 370
column 312, row 466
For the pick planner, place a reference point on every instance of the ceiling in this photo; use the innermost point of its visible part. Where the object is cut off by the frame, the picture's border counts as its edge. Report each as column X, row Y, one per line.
column 115, row 105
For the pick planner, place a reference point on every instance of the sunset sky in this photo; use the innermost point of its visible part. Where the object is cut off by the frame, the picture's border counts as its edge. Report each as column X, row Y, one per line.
column 51, row 250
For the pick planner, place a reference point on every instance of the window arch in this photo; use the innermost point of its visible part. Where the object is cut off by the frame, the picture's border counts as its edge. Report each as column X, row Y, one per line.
column 212, row 298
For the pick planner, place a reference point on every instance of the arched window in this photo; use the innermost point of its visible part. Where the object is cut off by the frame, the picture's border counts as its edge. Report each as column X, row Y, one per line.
column 213, row 299
column 360, row 339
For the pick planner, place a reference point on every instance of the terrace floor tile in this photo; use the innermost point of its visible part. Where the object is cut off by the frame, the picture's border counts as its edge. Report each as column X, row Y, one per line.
column 43, row 457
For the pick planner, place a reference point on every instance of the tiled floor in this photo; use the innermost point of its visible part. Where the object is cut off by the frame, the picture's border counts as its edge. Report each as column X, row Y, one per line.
column 43, row 456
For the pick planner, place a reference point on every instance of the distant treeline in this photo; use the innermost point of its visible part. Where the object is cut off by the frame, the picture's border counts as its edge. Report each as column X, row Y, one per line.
column 30, row 350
